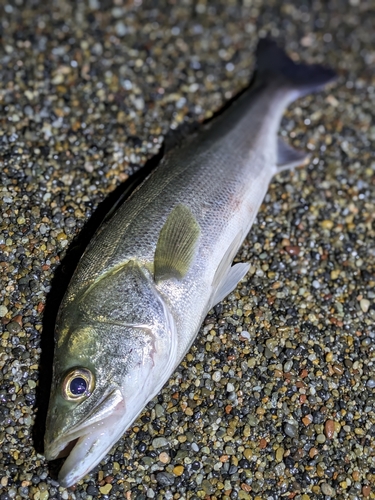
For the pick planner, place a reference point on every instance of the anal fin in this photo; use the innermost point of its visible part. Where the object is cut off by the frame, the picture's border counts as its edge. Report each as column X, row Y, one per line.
column 232, row 278
column 227, row 276
column 288, row 157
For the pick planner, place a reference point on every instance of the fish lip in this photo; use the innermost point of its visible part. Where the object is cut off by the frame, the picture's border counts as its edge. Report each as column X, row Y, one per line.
column 55, row 447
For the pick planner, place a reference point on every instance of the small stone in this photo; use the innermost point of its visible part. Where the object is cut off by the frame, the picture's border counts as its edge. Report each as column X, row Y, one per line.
column 365, row 305
column 178, row 470
column 307, row 419
column 321, row 438
column 280, row 453
column 327, row 490
column 327, row 224
column 159, row 410
column 243, row 495
column 288, row 366
column 329, row 428
column 44, row 495
column 290, row 430
column 293, row 250
column 105, row 489
column 13, row 327
column 61, row 237
column 165, row 479
column 164, row 457
column 366, row 491
column 253, row 421
column 355, row 475
column 329, row 357
column 3, row 311
column 150, row 493
column 335, row 273
column 338, row 369
column 263, row 444
column 208, row 487
column 159, row 442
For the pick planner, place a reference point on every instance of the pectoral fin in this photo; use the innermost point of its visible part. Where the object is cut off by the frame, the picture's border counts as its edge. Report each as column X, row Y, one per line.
column 176, row 245
column 288, row 157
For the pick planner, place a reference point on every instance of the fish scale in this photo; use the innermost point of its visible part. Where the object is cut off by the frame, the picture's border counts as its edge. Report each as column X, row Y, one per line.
column 162, row 261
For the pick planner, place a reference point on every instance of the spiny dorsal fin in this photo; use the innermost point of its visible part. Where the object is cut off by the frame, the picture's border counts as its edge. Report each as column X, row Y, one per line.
column 176, row 245
column 288, row 157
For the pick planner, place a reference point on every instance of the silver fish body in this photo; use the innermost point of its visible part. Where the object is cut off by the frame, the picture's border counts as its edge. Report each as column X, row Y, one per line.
column 161, row 262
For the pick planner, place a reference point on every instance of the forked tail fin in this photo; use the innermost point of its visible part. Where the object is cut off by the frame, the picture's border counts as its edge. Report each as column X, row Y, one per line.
column 273, row 63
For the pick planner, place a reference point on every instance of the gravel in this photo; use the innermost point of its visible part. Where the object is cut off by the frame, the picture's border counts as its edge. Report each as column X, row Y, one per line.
column 276, row 397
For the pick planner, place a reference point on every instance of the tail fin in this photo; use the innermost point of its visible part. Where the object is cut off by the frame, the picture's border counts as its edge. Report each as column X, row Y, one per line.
column 273, row 62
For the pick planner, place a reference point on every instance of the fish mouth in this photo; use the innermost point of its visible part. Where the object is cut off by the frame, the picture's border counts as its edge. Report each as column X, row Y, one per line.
column 85, row 445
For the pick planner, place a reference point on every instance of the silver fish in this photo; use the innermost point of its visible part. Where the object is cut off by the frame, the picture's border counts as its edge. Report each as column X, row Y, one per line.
column 162, row 261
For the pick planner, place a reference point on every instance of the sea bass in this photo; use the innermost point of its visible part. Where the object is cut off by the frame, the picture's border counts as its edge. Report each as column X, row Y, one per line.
column 163, row 259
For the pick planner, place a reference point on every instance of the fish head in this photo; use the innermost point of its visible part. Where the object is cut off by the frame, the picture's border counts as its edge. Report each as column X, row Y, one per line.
column 115, row 348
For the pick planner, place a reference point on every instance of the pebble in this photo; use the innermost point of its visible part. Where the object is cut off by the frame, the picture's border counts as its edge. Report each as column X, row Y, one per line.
column 208, row 487
column 365, row 305
column 159, row 442
column 329, row 428
column 13, row 327
column 3, row 311
column 327, row 224
column 279, row 454
column 366, row 491
column 321, row 438
column 165, row 479
column 164, row 457
column 290, row 430
column 178, row 470
column 327, row 490
column 307, row 420
column 106, row 489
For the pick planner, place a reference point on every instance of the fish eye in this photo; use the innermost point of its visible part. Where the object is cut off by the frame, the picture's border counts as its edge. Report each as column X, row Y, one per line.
column 78, row 383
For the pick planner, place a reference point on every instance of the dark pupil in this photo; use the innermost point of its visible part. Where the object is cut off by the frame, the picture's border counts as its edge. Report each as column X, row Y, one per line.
column 78, row 386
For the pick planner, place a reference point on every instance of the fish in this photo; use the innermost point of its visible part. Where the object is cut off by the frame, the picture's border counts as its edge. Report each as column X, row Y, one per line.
column 161, row 261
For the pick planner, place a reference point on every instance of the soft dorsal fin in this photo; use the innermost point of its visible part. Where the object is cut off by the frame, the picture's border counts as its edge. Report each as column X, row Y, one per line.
column 288, row 157
column 176, row 244
column 227, row 276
